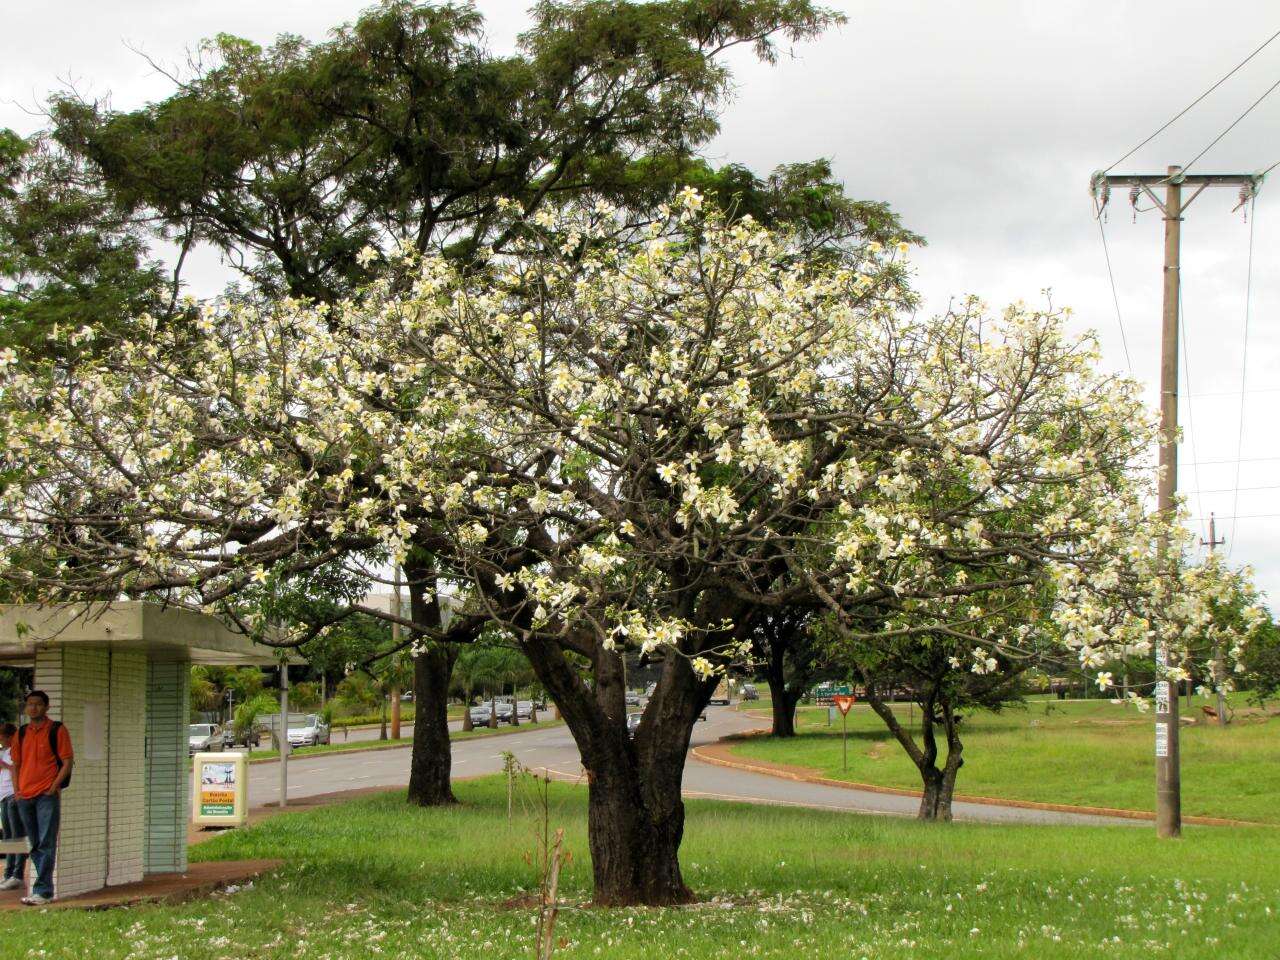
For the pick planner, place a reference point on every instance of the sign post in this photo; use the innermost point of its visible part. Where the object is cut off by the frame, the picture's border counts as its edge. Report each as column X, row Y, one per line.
column 843, row 702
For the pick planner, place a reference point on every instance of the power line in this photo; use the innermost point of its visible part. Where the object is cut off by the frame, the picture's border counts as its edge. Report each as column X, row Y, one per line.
column 1236, row 393
column 1115, row 297
column 1273, row 486
column 1193, row 103
column 1244, row 370
column 1213, row 142
column 1244, row 516
column 1206, row 463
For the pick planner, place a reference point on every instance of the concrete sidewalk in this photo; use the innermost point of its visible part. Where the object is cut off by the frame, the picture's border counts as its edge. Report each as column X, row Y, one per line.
column 199, row 880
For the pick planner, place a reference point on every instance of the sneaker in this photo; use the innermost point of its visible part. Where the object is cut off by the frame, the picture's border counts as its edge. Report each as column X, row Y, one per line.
column 35, row 900
column 12, row 883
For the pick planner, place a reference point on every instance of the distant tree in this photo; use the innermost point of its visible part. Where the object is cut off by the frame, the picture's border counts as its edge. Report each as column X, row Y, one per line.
column 11, row 688
column 70, row 257
column 1262, row 663
column 793, row 657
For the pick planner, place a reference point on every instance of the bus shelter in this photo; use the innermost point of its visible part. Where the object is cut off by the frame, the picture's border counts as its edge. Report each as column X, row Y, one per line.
column 118, row 675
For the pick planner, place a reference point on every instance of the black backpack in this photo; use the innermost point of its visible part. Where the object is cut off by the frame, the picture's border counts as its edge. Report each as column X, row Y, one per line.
column 54, row 727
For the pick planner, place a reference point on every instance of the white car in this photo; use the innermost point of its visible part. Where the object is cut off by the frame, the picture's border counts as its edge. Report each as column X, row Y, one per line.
column 203, row 738
column 307, row 731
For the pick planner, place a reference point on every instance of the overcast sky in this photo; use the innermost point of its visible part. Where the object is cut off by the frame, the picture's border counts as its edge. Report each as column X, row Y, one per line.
column 979, row 122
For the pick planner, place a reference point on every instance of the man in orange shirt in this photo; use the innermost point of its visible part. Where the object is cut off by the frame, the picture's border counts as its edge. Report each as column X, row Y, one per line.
column 42, row 761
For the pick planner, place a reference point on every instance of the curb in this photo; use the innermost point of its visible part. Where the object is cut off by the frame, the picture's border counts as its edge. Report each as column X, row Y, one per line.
column 376, row 746
column 718, row 758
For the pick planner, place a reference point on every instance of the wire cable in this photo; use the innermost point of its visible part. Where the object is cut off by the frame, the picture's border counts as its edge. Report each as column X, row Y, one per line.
column 1115, row 297
column 1187, row 109
column 1271, row 89
column 1244, row 371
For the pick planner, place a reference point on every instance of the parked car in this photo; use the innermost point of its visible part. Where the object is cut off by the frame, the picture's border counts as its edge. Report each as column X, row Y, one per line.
column 307, row 731
column 524, row 709
column 633, row 724
column 203, row 738
column 632, row 698
column 480, row 714
column 749, row 692
column 252, row 738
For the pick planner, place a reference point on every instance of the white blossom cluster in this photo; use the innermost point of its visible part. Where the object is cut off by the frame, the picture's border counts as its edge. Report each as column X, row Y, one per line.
column 612, row 440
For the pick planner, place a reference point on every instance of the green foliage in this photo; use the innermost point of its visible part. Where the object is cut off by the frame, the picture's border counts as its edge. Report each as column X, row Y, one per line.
column 490, row 668
column 1262, row 663
column 10, row 690
column 246, row 715
column 69, row 256
column 405, row 127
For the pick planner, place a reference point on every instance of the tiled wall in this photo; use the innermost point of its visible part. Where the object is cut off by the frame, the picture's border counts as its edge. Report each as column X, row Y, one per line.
column 101, row 696
column 126, row 786
column 168, row 770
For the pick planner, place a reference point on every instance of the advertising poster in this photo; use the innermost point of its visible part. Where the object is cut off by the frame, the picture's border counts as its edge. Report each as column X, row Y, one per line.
column 217, row 788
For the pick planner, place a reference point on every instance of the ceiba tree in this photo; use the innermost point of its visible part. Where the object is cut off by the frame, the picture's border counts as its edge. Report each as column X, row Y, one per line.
column 403, row 130
column 619, row 436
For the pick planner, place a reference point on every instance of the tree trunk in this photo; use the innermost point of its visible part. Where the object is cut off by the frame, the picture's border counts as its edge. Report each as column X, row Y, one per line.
column 395, row 713
column 467, row 725
column 635, row 815
column 515, row 706
column 493, row 711
column 940, row 783
column 784, row 700
column 430, row 761
column 931, row 799
column 635, row 821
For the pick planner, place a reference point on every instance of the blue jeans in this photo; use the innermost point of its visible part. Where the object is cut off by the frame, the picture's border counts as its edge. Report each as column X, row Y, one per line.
column 40, row 817
column 11, row 829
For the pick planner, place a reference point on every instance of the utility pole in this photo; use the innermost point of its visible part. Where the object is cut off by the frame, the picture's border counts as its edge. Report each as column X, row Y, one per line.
column 395, row 643
column 1168, row 768
column 1218, row 671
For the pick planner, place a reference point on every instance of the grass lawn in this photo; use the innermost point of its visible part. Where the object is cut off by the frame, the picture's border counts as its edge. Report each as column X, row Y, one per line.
column 1088, row 752
column 375, row 878
column 343, row 746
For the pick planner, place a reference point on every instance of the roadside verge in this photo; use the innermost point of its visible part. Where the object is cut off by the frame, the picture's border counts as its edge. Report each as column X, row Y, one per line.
column 720, row 754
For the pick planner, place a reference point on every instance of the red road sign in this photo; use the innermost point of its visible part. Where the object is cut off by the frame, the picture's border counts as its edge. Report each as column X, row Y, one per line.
column 843, row 703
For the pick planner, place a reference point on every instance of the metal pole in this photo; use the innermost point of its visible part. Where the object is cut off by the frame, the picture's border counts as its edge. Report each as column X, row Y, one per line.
column 1219, row 671
column 284, row 732
column 1168, row 772
column 844, row 737
column 394, row 692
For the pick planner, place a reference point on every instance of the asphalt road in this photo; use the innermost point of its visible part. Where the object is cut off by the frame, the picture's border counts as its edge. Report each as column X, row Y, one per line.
column 553, row 749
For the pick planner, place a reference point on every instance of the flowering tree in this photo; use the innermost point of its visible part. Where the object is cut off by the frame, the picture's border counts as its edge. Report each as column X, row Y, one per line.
column 609, row 446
